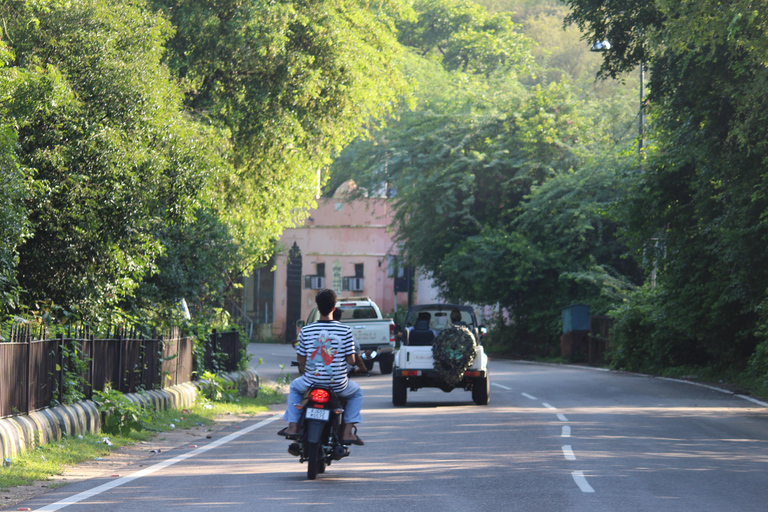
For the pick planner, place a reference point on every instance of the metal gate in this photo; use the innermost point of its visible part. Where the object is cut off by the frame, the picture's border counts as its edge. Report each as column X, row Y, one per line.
column 293, row 293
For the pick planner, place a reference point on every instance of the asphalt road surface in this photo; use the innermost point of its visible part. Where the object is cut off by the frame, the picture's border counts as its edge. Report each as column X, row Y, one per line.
column 553, row 438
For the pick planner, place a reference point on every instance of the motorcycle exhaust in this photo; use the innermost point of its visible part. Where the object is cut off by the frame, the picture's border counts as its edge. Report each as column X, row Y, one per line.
column 340, row 452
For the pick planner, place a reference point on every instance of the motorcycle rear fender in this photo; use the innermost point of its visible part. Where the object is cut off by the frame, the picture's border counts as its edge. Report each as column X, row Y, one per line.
column 315, row 430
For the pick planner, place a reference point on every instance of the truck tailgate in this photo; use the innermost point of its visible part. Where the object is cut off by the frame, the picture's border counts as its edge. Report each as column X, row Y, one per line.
column 416, row 358
column 420, row 358
column 370, row 333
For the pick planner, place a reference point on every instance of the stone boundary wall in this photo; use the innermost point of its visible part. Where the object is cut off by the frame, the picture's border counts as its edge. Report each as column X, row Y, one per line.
column 19, row 433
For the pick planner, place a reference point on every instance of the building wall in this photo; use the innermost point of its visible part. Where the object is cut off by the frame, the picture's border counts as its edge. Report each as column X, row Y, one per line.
column 340, row 234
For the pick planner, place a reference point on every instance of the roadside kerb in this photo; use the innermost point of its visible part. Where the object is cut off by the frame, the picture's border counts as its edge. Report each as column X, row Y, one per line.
column 20, row 433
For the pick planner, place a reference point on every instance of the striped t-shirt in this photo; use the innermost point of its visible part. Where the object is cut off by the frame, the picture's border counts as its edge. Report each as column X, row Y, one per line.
column 326, row 345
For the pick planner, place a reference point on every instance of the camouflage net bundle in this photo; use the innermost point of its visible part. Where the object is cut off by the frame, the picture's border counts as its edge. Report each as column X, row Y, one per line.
column 453, row 351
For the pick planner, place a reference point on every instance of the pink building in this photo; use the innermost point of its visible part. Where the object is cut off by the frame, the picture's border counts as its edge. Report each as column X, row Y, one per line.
column 344, row 245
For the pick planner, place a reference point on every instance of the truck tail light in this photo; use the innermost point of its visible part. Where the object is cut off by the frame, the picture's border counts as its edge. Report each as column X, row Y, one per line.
column 391, row 333
column 473, row 373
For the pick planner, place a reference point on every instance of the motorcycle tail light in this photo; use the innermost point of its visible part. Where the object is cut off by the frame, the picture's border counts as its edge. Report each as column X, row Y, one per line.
column 320, row 396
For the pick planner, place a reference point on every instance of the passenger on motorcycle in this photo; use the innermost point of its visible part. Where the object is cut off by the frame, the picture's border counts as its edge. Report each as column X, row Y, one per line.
column 324, row 350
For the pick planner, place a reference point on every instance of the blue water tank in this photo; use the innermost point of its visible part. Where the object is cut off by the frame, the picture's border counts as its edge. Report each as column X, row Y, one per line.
column 575, row 318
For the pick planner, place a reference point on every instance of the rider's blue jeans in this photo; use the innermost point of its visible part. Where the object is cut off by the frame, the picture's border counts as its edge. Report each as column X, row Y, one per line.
column 353, row 394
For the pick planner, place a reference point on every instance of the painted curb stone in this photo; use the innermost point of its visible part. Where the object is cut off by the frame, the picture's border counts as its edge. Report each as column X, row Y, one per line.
column 19, row 433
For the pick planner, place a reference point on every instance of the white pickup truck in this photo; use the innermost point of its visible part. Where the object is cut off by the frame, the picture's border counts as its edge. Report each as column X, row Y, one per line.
column 414, row 362
column 374, row 333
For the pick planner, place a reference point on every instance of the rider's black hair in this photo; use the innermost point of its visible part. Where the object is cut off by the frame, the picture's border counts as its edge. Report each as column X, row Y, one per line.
column 326, row 301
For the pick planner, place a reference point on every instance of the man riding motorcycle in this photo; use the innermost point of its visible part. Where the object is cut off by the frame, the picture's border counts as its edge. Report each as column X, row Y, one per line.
column 325, row 348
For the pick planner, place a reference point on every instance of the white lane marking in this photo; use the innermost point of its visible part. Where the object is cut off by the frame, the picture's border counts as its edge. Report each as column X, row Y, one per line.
column 545, row 404
column 568, row 452
column 562, row 417
column 526, row 395
column 714, row 388
column 581, row 481
column 500, row 386
column 152, row 469
column 566, row 431
column 753, row 400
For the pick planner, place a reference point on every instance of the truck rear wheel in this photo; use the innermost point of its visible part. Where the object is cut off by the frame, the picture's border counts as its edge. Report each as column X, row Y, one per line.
column 399, row 391
column 481, row 390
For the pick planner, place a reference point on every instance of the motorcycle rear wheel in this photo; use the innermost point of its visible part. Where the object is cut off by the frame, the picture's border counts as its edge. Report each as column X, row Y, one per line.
column 314, row 460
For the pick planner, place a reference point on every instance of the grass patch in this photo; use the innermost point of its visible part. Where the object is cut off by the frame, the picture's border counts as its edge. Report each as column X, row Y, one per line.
column 44, row 461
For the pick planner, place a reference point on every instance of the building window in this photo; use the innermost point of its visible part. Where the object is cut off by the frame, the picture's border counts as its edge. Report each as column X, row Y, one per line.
column 354, row 283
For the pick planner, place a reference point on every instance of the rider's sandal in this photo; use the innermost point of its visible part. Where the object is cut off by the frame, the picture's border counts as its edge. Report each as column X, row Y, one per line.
column 288, row 436
column 356, row 441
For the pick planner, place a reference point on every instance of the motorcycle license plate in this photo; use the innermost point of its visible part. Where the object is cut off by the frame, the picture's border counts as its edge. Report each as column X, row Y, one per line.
column 318, row 414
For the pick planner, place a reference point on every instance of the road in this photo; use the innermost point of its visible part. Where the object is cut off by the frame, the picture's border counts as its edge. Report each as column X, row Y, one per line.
column 554, row 438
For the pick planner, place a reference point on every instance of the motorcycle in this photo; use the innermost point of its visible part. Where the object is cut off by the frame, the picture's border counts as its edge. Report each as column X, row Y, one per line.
column 319, row 440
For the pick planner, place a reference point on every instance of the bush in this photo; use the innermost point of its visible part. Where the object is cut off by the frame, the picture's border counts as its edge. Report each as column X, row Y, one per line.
column 216, row 389
column 118, row 414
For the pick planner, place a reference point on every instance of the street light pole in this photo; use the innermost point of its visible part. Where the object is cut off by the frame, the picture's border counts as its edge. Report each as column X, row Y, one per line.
column 604, row 46
column 641, row 122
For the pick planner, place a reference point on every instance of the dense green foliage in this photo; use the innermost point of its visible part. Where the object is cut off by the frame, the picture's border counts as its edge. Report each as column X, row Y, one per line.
column 102, row 134
column 155, row 150
column 698, row 209
column 501, row 179
column 290, row 82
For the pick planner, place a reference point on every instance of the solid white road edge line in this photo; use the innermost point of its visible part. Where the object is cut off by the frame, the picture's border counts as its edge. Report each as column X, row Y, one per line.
column 754, row 400
column 526, row 395
column 581, row 481
column 568, row 452
column 714, row 388
column 500, row 386
column 152, row 469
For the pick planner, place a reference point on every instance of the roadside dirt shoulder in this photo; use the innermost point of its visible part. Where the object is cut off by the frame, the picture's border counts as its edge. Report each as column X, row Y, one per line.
column 141, row 453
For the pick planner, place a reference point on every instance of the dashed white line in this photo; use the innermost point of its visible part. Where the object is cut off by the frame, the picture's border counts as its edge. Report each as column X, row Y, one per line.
column 500, row 386
column 568, row 452
column 566, row 431
column 526, row 395
column 581, row 481
column 562, row 417
column 545, row 404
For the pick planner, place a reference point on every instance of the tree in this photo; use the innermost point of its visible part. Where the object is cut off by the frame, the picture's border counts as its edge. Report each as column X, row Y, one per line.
column 502, row 186
column 699, row 197
column 14, row 227
column 290, row 82
column 102, row 134
column 463, row 36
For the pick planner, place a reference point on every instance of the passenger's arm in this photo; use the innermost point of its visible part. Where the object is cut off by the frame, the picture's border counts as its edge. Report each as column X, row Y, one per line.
column 302, row 362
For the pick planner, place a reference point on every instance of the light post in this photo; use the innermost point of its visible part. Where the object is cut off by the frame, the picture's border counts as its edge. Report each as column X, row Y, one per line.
column 641, row 121
column 604, row 46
